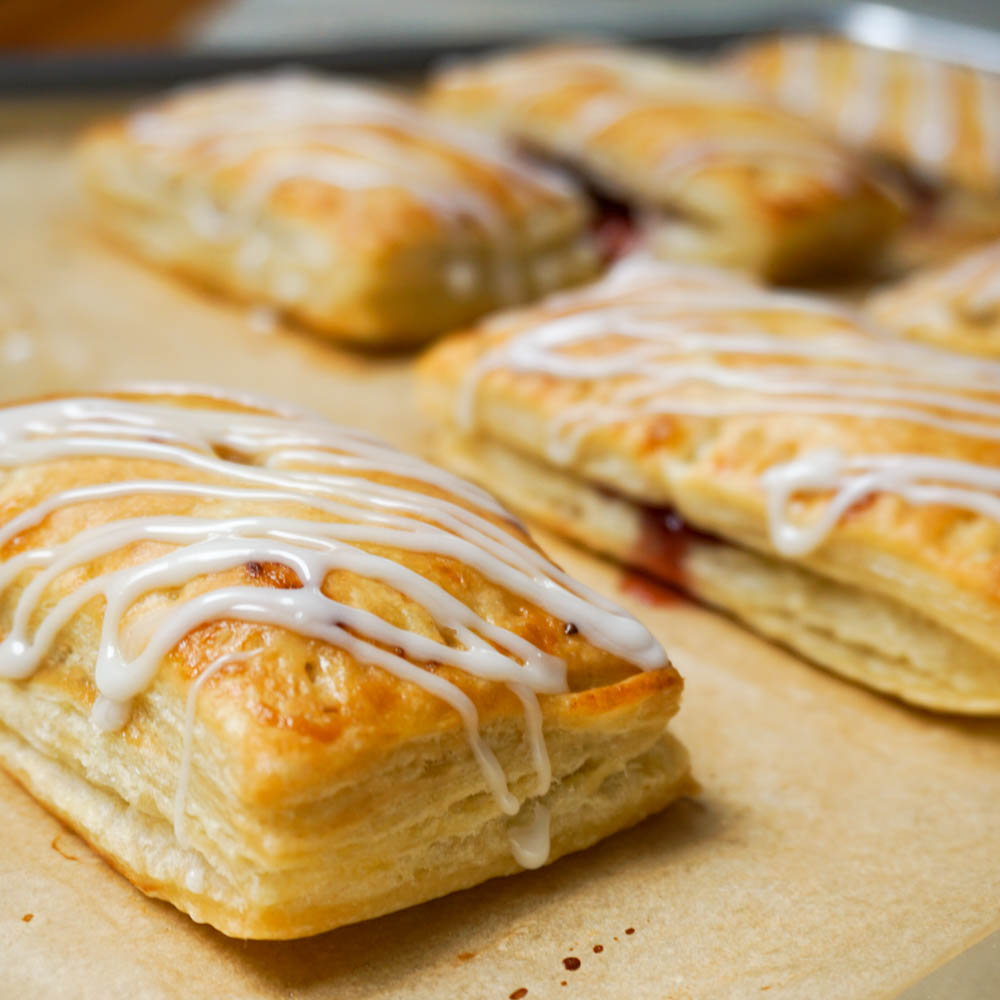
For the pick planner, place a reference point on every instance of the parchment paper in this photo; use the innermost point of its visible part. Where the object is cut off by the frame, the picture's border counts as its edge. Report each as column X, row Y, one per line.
column 843, row 845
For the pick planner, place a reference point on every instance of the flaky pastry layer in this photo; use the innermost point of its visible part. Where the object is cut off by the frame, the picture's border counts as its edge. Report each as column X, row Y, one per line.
column 416, row 826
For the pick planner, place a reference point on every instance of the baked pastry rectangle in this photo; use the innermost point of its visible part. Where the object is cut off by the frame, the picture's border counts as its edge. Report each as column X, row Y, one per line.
column 712, row 171
column 342, row 204
column 836, row 488
column 287, row 677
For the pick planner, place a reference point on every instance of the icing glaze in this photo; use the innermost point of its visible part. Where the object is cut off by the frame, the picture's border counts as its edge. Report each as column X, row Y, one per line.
column 190, row 707
column 333, row 478
column 988, row 108
column 920, row 480
column 864, row 105
column 685, row 160
column 930, row 120
column 529, row 840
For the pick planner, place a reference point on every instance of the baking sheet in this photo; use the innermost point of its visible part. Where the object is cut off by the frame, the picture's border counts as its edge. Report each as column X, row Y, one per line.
column 842, row 847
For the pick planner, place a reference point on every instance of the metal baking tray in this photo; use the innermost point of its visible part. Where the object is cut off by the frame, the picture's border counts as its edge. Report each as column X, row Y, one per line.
column 878, row 25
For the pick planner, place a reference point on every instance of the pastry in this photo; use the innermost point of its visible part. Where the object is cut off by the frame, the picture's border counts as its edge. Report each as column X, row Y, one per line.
column 287, row 677
column 711, row 172
column 346, row 206
column 834, row 487
column 956, row 306
column 940, row 121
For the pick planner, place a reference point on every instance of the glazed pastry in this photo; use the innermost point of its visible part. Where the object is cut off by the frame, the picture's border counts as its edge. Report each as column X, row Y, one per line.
column 939, row 120
column 344, row 205
column 711, row 172
column 956, row 306
column 287, row 677
column 833, row 487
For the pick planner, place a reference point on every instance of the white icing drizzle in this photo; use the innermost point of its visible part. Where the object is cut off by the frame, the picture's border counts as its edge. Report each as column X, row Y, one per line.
column 920, row 480
column 973, row 281
column 270, row 461
column 529, row 841
column 632, row 79
column 245, row 116
column 863, row 106
column 987, row 296
column 798, row 84
column 679, row 339
column 194, row 878
column 603, row 112
column 931, row 127
column 262, row 319
column 184, row 772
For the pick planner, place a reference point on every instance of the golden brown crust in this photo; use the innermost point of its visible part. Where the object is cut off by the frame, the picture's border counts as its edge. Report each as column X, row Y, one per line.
column 344, row 206
column 741, row 182
column 301, row 748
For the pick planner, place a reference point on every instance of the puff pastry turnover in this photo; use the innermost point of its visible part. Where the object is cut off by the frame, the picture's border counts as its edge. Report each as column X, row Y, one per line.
column 832, row 486
column 344, row 205
column 941, row 121
column 713, row 172
column 956, row 306
column 286, row 677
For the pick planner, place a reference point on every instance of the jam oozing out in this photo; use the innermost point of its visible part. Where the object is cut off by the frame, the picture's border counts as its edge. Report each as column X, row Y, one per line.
column 614, row 224
column 615, row 229
column 660, row 553
column 663, row 544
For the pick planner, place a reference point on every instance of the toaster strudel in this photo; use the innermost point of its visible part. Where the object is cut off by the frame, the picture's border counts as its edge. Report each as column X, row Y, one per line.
column 709, row 170
column 836, row 488
column 287, row 677
column 344, row 205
